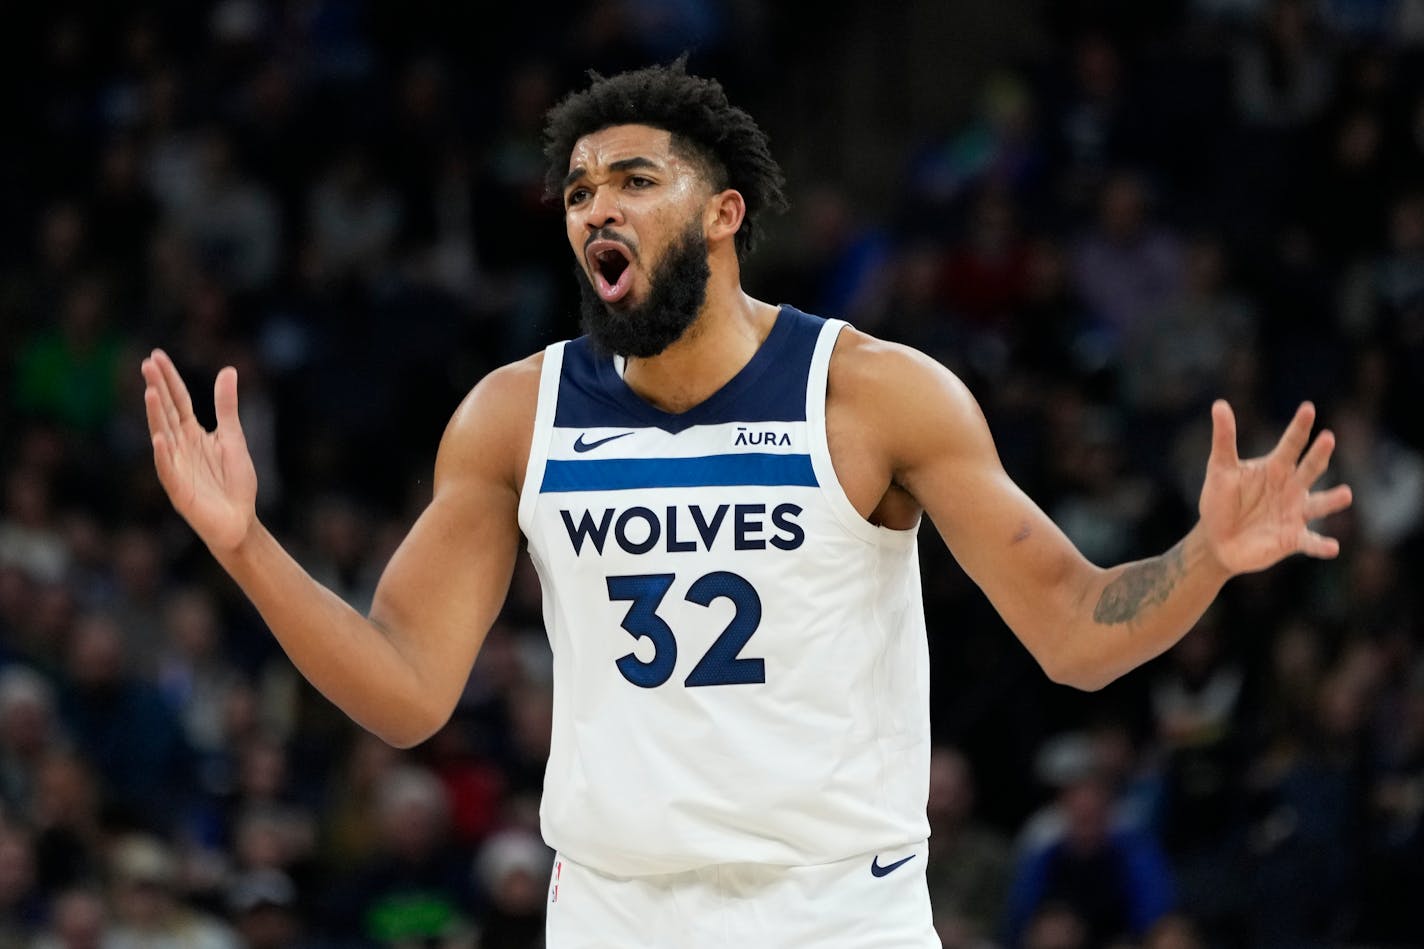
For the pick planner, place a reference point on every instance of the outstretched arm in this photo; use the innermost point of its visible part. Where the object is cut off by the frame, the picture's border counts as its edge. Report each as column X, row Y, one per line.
column 399, row 672
column 1086, row 625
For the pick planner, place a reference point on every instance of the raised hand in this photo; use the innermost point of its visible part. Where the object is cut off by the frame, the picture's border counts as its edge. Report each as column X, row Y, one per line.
column 209, row 476
column 1258, row 511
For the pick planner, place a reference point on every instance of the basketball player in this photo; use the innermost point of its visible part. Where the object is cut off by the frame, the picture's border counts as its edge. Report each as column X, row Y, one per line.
column 721, row 498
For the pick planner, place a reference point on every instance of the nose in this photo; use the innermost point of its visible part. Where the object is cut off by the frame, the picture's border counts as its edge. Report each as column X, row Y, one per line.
column 603, row 209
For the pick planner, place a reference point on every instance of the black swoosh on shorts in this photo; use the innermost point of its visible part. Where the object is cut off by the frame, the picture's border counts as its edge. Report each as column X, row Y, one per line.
column 876, row 870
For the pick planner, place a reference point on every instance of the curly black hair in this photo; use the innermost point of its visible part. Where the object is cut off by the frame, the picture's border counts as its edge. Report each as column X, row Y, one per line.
column 732, row 150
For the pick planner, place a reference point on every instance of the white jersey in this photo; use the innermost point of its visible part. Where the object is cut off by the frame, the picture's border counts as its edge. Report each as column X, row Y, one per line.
column 740, row 666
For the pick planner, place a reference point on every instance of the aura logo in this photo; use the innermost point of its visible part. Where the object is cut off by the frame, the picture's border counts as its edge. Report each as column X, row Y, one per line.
column 746, row 436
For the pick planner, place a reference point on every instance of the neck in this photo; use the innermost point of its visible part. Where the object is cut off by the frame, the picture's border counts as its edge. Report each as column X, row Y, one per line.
column 728, row 331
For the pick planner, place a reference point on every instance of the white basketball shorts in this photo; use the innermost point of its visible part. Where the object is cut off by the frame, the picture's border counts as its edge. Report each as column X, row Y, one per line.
column 874, row 901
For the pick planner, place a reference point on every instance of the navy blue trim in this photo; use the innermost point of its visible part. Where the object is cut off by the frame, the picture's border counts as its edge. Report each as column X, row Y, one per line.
column 621, row 474
column 771, row 387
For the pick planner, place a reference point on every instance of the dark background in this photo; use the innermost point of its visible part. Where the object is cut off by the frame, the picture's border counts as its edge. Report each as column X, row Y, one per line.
column 1101, row 214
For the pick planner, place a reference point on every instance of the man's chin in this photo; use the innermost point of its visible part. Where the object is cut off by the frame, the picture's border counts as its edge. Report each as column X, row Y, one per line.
column 655, row 313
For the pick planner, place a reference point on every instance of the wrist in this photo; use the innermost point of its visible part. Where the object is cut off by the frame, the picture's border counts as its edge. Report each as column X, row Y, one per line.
column 1201, row 554
column 242, row 550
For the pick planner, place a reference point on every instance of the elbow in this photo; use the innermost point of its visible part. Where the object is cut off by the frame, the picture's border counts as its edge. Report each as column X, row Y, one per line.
column 1085, row 683
column 404, row 740
column 1067, row 670
column 412, row 727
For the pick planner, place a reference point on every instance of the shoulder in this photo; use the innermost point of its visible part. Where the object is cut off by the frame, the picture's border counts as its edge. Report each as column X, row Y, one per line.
column 491, row 429
column 879, row 368
column 898, row 393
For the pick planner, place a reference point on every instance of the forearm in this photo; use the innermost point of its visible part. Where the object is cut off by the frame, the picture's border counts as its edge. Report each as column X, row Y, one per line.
column 1126, row 615
column 358, row 666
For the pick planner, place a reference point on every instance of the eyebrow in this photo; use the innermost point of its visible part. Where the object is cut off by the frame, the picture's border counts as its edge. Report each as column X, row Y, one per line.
column 622, row 164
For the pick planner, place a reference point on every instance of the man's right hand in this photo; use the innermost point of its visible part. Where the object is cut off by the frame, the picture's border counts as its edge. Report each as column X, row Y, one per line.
column 209, row 476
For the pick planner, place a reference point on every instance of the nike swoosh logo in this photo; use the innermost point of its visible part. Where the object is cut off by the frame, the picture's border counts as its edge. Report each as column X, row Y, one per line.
column 581, row 446
column 876, row 870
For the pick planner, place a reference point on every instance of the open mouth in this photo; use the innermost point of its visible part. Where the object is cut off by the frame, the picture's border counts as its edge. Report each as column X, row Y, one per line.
column 612, row 275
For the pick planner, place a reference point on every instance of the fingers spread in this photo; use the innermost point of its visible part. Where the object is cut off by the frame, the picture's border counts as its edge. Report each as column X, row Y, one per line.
column 163, row 461
column 1223, row 434
column 1324, row 503
column 1317, row 459
column 1297, row 433
column 158, row 382
column 1317, row 545
column 225, row 401
column 176, row 388
column 160, row 418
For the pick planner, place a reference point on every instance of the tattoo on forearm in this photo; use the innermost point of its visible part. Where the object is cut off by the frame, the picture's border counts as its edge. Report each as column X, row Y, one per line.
column 1142, row 584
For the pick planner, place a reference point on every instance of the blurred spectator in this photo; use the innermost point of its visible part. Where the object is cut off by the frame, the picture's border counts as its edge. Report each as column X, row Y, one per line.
column 349, row 821
column 29, row 729
column 1175, row 357
column 354, row 220
column 1103, row 500
column 125, row 214
column 57, row 262
column 124, row 726
column 30, row 539
column 1196, row 702
column 1091, row 119
column 150, row 912
column 264, row 909
column 1284, row 77
column 998, row 150
column 1057, row 926
column 969, row 863
column 69, row 373
column 512, row 869
column 1395, row 873
column 1127, row 266
column 21, row 907
column 414, row 887
column 339, row 536
column 138, row 603
column 1306, row 835
column 1115, row 882
column 65, row 814
column 531, row 718
column 1173, row 931
column 473, row 783
column 1051, row 341
column 985, row 274
column 79, row 919
column 844, row 262
column 230, row 219
column 1379, row 292
column 1387, row 477
column 194, row 674
column 1351, row 188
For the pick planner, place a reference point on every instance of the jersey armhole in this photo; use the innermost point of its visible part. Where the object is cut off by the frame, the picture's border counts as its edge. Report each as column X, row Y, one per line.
column 817, row 382
column 552, row 372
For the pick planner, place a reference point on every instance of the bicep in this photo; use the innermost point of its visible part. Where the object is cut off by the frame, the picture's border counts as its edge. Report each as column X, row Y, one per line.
column 447, row 581
column 1004, row 541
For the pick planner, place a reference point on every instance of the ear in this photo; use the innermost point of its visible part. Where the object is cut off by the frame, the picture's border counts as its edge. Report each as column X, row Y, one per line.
column 724, row 214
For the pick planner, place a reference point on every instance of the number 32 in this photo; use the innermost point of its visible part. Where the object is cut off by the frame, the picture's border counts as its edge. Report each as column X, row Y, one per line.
column 721, row 664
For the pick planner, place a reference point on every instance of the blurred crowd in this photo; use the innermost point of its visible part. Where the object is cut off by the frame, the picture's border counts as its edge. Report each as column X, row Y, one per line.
column 1160, row 204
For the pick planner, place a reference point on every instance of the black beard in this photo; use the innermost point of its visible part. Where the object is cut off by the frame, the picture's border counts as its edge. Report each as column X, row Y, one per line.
column 676, row 291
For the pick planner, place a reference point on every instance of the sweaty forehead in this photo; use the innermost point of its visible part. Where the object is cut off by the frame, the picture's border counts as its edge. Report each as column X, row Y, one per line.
column 619, row 142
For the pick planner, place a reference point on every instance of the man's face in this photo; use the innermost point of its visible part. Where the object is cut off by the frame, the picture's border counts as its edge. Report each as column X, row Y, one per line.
column 634, row 214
